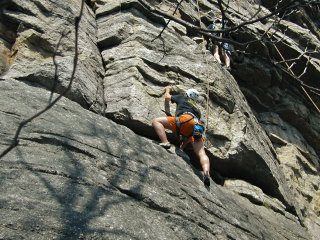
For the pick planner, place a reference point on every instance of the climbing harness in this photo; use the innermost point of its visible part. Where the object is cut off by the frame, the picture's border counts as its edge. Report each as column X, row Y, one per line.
column 198, row 128
column 178, row 125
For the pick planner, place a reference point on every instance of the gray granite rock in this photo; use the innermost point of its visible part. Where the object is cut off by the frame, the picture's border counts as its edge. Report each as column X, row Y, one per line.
column 101, row 174
column 76, row 174
column 46, row 30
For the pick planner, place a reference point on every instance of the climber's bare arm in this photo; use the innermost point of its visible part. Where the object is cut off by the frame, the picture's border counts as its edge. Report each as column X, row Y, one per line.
column 167, row 95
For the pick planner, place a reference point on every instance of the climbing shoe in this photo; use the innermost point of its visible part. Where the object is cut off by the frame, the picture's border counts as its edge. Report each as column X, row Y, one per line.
column 206, row 180
column 165, row 145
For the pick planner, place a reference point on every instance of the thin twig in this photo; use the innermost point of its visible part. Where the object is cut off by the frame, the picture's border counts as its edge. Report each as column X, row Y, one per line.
column 283, row 69
column 294, row 59
column 223, row 14
column 314, row 92
column 304, row 90
column 168, row 21
column 305, row 69
column 290, row 67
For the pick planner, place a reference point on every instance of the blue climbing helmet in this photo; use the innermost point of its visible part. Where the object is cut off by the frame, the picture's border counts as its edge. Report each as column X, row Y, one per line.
column 192, row 93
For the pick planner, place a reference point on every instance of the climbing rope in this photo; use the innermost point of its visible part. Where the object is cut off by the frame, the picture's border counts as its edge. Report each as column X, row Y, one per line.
column 204, row 52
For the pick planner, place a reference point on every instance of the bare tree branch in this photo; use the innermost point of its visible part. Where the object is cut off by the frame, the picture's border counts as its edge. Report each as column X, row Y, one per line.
column 194, row 28
column 168, row 21
column 207, row 32
column 223, row 14
column 309, row 23
column 258, row 11
column 298, row 78
column 291, row 4
column 15, row 141
column 284, row 11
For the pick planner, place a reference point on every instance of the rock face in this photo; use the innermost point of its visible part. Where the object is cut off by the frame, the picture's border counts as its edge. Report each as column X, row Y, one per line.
column 90, row 167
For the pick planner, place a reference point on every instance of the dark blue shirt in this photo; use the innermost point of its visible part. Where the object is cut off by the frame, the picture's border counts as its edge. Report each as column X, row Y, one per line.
column 185, row 104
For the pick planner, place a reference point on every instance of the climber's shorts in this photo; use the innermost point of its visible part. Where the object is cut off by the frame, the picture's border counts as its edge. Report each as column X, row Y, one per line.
column 186, row 126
